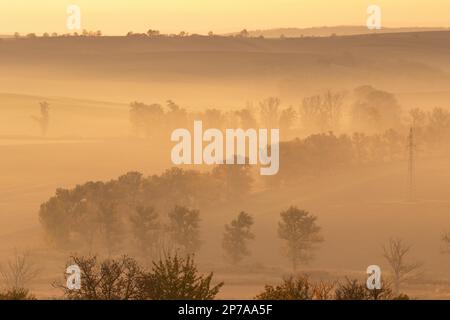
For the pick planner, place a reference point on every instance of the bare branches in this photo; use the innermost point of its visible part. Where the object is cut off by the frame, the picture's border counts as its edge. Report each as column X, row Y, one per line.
column 19, row 271
column 396, row 252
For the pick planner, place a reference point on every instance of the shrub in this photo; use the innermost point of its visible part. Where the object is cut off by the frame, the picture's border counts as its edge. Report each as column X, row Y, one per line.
column 16, row 294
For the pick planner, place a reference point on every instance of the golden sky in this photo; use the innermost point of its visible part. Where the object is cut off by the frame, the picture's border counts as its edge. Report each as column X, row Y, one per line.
column 201, row 16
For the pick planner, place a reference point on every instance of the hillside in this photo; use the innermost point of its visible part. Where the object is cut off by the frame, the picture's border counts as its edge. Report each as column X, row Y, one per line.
column 201, row 71
column 328, row 31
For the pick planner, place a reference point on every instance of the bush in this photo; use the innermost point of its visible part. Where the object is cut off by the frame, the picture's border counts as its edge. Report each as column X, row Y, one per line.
column 177, row 278
column 171, row 278
column 299, row 288
column 16, row 294
column 109, row 280
column 354, row 290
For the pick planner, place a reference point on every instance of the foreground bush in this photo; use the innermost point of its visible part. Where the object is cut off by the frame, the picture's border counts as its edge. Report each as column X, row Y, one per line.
column 301, row 288
column 16, row 294
column 171, row 278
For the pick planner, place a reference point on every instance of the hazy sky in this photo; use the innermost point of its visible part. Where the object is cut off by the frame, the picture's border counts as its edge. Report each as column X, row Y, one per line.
column 200, row 16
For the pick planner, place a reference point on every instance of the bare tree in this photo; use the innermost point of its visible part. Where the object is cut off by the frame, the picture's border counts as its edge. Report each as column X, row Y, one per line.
column 269, row 112
column 111, row 279
column 396, row 252
column 44, row 118
column 19, row 271
column 323, row 111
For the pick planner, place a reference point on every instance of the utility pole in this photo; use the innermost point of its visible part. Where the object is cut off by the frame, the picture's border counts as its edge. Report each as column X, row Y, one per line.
column 411, row 164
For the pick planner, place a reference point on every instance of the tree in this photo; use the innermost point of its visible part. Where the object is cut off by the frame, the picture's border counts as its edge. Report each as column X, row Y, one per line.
column 287, row 120
column 146, row 229
column 323, row 111
column 171, row 278
column 298, row 288
column 236, row 236
column 236, row 180
column 292, row 288
column 244, row 34
column 300, row 230
column 269, row 112
column 446, row 239
column 16, row 294
column 146, row 118
column 19, row 272
column 177, row 278
column 352, row 289
column 184, row 228
column 44, row 118
column 247, row 117
column 111, row 279
column 375, row 109
column 110, row 225
column 153, row 33
column 395, row 252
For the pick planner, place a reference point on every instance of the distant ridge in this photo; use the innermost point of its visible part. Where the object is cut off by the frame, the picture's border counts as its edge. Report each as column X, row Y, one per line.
column 329, row 31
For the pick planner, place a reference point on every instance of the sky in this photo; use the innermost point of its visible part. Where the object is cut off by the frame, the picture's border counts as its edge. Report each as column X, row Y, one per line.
column 116, row 17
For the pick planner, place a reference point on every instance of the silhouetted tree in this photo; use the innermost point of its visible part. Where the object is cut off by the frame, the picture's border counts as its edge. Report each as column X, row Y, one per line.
column 236, row 236
column 301, row 232
column 243, row 34
column 19, row 271
column 184, row 228
column 375, row 109
column 236, row 180
column 395, row 252
column 247, row 117
column 146, row 229
column 171, row 278
column 153, row 33
column 16, row 294
column 43, row 119
column 323, row 111
column 110, row 225
column 111, row 279
column 270, row 113
column 177, row 278
column 446, row 239
column 352, row 289
column 146, row 119
column 287, row 119
column 298, row 288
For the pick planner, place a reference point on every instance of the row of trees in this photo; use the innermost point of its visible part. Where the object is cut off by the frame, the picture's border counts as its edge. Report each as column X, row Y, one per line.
column 91, row 216
column 181, row 229
column 369, row 109
column 83, row 33
column 97, row 214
